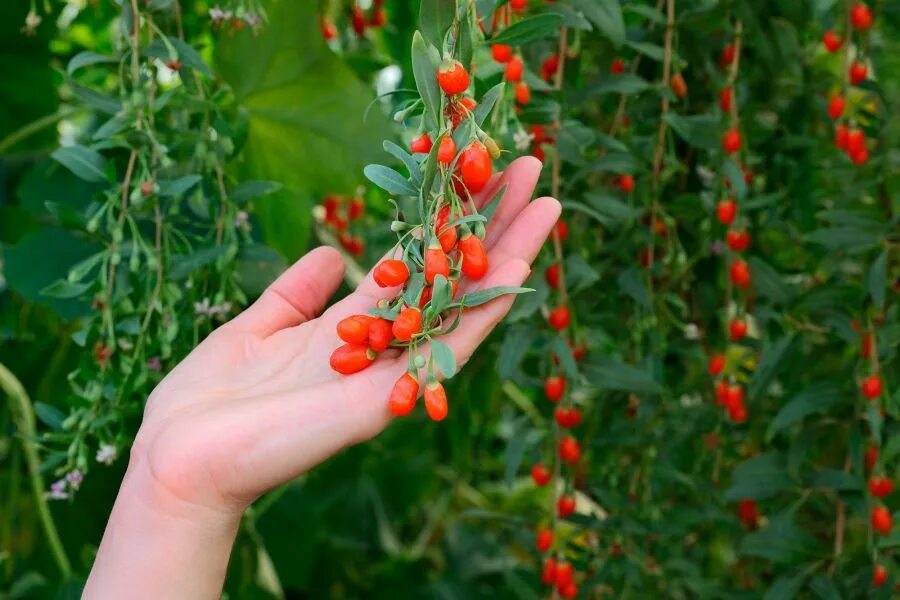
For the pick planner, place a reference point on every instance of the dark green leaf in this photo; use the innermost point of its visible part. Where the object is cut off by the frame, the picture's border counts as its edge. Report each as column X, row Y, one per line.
column 606, row 15
column 758, row 478
column 816, row 398
column 186, row 264
column 611, row 374
column 773, row 359
column 630, row 283
column 878, row 279
column 250, row 190
column 85, row 163
column 87, row 58
column 173, row 188
column 626, row 83
column 64, row 289
column 435, row 18
column 529, row 29
column 49, row 415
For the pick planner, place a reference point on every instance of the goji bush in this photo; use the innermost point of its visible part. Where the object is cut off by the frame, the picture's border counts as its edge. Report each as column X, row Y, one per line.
column 695, row 394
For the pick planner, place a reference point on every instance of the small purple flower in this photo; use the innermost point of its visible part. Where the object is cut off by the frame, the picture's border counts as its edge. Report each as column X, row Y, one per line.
column 154, row 364
column 57, row 490
column 75, row 478
column 717, row 247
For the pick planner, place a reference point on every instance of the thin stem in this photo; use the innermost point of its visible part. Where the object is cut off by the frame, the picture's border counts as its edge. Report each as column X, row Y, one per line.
column 23, row 416
column 34, row 127
column 735, row 66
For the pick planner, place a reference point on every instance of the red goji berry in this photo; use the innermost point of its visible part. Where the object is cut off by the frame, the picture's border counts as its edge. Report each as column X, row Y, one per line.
column 390, row 273
column 351, row 358
column 404, row 394
column 475, row 258
column 407, row 324
column 453, row 78
column 435, row 400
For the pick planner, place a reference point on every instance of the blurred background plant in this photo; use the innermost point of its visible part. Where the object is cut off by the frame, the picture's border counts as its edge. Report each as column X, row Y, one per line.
column 158, row 172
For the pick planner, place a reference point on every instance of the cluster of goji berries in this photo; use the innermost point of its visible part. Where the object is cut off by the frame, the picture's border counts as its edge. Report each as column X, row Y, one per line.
column 338, row 214
column 431, row 256
column 729, row 394
column 359, row 19
column 848, row 137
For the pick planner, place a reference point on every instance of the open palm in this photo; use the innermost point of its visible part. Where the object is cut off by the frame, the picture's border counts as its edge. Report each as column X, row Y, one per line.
column 256, row 404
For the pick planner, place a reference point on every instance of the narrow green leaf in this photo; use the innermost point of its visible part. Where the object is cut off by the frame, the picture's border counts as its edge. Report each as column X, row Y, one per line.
column 425, row 61
column 415, row 172
column 435, row 18
column 86, row 59
column 49, row 415
column 173, row 188
column 85, row 163
column 250, row 190
column 878, row 279
column 484, row 296
column 630, row 283
column 488, row 100
column 389, row 180
column 611, row 374
column 606, row 15
column 760, row 477
column 529, row 29
column 65, row 289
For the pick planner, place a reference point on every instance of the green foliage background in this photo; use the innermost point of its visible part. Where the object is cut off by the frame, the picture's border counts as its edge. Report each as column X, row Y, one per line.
column 447, row 511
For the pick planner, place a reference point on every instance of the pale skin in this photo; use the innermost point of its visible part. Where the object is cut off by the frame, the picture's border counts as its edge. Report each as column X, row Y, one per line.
column 256, row 404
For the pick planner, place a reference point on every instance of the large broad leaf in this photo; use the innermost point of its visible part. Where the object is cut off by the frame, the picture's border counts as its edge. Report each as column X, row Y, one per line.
column 306, row 127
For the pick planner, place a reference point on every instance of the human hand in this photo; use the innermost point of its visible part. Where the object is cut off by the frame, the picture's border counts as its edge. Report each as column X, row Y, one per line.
column 257, row 404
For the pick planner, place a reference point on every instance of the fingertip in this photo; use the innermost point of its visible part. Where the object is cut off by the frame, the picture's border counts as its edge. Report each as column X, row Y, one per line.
column 551, row 204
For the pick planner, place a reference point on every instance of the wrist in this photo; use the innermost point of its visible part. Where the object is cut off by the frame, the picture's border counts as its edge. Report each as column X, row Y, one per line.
column 159, row 545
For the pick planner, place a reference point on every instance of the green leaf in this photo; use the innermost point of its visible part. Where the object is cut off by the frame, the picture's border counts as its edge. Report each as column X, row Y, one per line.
column 631, row 284
column 816, row 398
column 49, row 415
column 834, row 479
column 443, row 358
column 769, row 282
column 173, row 188
column 613, row 210
column 87, row 58
column 65, row 289
column 415, row 171
column 190, row 57
column 441, row 294
column 646, row 11
column 651, row 51
column 849, row 239
column 389, row 180
column 515, row 450
column 530, row 29
column 488, row 100
column 563, row 352
column 484, row 296
column 302, row 104
column 435, row 18
column 611, row 374
column 787, row 586
column 607, row 16
column 464, row 42
column 626, row 83
column 758, row 478
column 735, row 176
column 250, row 190
column 579, row 274
column 773, row 359
column 94, row 99
column 878, row 279
column 782, row 542
column 698, row 130
column 824, row 588
column 183, row 265
column 85, row 163
column 425, row 61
